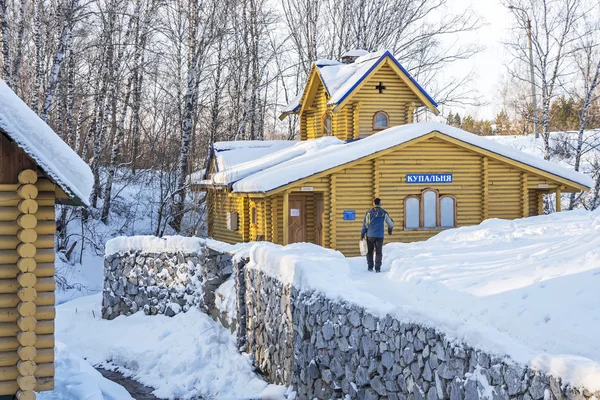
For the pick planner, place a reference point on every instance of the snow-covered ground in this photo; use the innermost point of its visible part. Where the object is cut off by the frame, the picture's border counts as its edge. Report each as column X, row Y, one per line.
column 183, row 357
column 526, row 288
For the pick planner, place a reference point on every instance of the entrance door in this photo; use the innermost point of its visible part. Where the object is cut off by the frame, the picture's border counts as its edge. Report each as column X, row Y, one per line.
column 319, row 219
column 297, row 219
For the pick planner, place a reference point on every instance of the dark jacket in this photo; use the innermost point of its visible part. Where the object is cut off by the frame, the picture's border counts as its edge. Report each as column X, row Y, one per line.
column 373, row 225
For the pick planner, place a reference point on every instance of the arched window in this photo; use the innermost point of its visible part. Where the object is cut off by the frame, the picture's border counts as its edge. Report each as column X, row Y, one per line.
column 327, row 124
column 412, row 212
column 380, row 121
column 253, row 216
column 429, row 210
column 447, row 211
column 430, row 206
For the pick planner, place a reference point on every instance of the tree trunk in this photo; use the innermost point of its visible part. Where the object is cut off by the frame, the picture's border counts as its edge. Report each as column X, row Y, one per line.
column 5, row 40
column 17, row 62
column 63, row 48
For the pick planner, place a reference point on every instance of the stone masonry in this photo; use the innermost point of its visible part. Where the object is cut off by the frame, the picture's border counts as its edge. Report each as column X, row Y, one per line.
column 163, row 283
column 329, row 349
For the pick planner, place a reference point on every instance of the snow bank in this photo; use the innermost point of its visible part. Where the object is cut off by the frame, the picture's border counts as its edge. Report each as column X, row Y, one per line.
column 77, row 379
column 44, row 146
column 153, row 244
column 526, row 288
column 187, row 356
column 226, row 300
column 285, row 167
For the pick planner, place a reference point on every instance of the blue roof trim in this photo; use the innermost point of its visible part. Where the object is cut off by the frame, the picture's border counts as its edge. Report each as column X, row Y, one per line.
column 387, row 53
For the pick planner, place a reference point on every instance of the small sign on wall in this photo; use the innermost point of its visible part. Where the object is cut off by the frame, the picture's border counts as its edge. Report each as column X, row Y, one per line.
column 428, row 178
column 307, row 189
column 349, row 215
column 294, row 212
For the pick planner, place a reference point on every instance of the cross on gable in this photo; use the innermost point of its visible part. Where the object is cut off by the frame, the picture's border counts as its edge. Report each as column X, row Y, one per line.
column 380, row 87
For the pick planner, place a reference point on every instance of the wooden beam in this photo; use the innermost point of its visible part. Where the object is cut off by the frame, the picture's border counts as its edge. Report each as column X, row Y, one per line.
column 524, row 196
column 484, row 188
column 356, row 120
column 558, row 194
column 540, row 203
column 286, row 215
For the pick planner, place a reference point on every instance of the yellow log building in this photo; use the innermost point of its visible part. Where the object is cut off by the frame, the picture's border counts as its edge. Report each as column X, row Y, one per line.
column 358, row 142
column 35, row 171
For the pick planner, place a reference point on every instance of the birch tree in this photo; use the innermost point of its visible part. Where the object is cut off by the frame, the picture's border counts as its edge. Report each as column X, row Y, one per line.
column 553, row 35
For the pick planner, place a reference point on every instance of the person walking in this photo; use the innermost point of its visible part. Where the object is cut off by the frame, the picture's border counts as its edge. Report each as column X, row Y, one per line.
column 373, row 229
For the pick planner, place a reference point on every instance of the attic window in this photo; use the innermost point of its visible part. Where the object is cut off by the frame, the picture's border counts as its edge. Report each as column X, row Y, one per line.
column 327, row 124
column 380, row 121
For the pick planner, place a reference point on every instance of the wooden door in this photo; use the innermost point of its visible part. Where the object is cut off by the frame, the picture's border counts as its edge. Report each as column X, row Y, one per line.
column 297, row 219
column 319, row 219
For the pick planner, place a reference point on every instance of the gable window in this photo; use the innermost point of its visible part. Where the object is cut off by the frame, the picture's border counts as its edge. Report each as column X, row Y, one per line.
column 380, row 121
column 429, row 210
column 327, row 124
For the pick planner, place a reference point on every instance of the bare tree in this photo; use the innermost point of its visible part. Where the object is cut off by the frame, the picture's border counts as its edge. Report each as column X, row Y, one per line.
column 553, row 35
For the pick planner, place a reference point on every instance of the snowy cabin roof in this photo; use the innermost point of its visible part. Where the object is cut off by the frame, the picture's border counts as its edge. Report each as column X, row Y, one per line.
column 45, row 147
column 311, row 157
column 341, row 79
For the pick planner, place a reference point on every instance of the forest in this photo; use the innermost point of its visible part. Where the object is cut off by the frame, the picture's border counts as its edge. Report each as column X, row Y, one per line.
column 141, row 88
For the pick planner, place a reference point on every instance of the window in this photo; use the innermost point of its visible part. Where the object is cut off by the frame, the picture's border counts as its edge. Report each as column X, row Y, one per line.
column 327, row 124
column 412, row 213
column 447, row 211
column 232, row 221
column 380, row 121
column 429, row 210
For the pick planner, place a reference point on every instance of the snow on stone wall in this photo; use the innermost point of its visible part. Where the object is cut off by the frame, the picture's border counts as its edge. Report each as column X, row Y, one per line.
column 162, row 282
column 330, row 348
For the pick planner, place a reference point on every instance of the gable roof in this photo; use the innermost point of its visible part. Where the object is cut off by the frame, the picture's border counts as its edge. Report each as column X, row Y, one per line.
column 45, row 147
column 265, row 175
column 340, row 79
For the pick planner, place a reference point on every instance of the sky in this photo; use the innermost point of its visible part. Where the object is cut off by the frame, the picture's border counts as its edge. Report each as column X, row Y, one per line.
column 489, row 65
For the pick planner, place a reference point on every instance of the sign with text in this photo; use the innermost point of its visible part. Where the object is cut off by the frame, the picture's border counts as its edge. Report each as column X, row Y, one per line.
column 428, row 178
column 349, row 215
column 295, row 212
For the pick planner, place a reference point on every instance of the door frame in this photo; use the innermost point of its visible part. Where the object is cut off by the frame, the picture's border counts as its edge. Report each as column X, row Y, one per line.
column 286, row 212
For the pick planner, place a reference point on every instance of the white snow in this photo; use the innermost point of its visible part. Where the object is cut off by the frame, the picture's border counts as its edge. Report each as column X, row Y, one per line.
column 295, row 163
column 76, row 379
column 294, row 104
column 186, row 356
column 355, row 53
column 44, row 146
column 168, row 244
column 526, row 288
column 226, row 300
column 230, row 154
column 299, row 149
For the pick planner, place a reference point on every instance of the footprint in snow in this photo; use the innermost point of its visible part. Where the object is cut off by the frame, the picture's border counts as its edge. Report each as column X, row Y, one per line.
column 524, row 296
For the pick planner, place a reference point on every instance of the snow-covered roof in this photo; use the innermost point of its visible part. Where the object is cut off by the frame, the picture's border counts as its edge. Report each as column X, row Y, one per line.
column 314, row 156
column 355, row 53
column 341, row 79
column 44, row 146
column 230, row 154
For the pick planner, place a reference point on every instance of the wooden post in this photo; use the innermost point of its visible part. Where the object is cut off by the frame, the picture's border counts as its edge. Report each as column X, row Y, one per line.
column 356, row 120
column 274, row 220
column 558, row 194
column 286, row 217
column 485, row 188
column 540, row 203
column 524, row 196
column 375, row 178
column 332, row 224
column 26, row 308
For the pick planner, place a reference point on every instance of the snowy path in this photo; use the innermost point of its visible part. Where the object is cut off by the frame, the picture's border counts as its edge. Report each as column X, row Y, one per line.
column 135, row 389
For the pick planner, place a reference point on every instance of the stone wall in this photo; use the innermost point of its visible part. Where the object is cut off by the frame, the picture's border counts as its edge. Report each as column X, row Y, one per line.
column 329, row 349
column 163, row 283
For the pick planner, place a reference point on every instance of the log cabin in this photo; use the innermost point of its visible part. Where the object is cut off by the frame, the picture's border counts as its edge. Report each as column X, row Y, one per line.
column 357, row 142
column 37, row 171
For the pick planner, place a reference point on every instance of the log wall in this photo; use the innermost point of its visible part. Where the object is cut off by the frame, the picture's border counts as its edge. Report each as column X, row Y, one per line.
column 27, row 285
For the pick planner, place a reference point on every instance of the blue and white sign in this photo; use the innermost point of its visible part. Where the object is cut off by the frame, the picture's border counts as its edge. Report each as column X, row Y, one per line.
column 349, row 215
column 428, row 178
